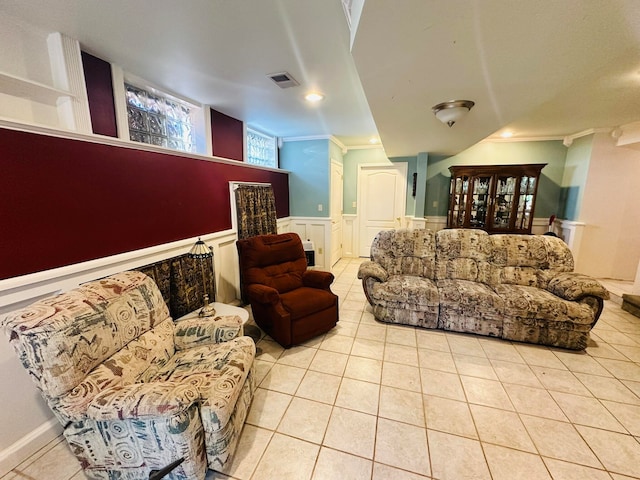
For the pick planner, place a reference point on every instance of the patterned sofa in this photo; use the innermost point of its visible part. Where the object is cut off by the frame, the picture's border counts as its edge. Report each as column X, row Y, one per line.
column 133, row 390
column 516, row 287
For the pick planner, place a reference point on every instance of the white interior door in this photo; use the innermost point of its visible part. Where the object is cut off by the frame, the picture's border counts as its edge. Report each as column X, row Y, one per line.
column 381, row 201
column 336, row 212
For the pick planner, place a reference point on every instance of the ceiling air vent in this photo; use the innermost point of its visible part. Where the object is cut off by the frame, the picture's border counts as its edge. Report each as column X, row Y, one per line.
column 283, row 80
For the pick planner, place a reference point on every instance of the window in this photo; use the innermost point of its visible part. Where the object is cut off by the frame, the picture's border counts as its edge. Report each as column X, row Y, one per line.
column 261, row 149
column 160, row 119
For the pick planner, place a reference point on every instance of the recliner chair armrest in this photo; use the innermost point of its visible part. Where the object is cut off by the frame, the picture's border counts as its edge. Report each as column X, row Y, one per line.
column 194, row 332
column 139, row 400
column 263, row 294
column 575, row 286
column 317, row 279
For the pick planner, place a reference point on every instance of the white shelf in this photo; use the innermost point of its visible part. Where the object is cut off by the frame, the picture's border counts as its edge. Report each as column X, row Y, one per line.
column 39, row 92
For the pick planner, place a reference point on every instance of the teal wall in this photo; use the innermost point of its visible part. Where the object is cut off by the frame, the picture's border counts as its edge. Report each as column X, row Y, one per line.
column 308, row 162
column 574, row 177
column 553, row 153
column 559, row 191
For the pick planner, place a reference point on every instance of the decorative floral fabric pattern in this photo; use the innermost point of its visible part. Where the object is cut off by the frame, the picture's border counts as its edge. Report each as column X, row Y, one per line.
column 134, row 390
column 405, row 252
column 575, row 286
column 517, row 287
column 467, row 306
column 463, row 255
column 399, row 279
column 193, row 332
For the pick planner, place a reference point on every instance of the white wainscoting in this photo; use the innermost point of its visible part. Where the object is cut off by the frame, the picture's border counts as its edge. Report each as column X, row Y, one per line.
column 317, row 230
column 349, row 234
column 571, row 232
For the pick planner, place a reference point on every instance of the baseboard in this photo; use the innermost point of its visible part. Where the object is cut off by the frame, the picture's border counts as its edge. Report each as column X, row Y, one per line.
column 21, row 450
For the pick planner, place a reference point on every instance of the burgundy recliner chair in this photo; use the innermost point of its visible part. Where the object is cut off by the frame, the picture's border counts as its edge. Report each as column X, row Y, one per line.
column 289, row 302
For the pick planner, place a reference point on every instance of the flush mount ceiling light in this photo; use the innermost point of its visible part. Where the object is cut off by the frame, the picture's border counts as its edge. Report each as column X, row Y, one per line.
column 313, row 97
column 452, row 111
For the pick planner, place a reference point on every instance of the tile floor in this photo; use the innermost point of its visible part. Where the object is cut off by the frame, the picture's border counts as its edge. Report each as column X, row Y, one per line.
column 375, row 401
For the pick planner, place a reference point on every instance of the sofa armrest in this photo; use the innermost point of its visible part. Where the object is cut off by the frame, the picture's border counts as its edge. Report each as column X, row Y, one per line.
column 580, row 288
column 372, row 269
column 371, row 272
column 317, row 279
column 576, row 286
column 139, row 400
column 194, row 332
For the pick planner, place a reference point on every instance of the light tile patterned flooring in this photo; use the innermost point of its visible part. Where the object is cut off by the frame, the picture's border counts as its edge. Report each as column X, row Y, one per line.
column 376, row 401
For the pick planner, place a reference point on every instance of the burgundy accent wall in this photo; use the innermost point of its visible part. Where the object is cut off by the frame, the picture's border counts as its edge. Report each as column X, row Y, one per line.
column 67, row 201
column 227, row 136
column 97, row 74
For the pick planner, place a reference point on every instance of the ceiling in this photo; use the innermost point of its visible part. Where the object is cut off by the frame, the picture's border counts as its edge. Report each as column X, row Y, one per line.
column 540, row 68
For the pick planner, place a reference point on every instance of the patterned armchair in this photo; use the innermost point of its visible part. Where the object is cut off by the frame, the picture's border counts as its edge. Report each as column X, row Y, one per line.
column 133, row 390
column 398, row 281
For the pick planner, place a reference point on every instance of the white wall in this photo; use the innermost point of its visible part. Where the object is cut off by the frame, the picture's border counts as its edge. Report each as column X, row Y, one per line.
column 610, row 246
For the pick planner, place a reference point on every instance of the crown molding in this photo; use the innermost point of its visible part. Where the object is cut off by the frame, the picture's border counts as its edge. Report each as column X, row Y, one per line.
column 568, row 140
column 306, row 138
column 522, row 139
column 365, row 147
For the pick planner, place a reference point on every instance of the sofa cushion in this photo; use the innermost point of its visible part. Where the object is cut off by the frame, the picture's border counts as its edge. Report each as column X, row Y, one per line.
column 530, row 302
column 136, row 362
column 467, row 306
column 305, row 301
column 529, row 260
column 277, row 261
column 463, row 255
column 405, row 290
column 404, row 251
column 218, row 372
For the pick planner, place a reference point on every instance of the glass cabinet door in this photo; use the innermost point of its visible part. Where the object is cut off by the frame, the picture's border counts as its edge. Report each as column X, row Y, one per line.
column 503, row 203
column 480, row 201
column 459, row 197
column 525, row 202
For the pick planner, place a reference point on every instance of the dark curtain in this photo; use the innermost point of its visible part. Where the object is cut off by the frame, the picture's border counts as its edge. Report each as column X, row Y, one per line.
column 256, row 210
column 180, row 279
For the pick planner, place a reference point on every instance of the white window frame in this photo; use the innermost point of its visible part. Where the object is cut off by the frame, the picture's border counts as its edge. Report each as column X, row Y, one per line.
column 273, row 140
column 198, row 111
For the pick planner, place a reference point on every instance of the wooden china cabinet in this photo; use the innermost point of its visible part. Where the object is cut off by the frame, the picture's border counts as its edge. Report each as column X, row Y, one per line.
column 495, row 198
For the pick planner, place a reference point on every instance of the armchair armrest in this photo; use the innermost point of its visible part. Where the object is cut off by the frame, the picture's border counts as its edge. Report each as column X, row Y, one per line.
column 153, row 399
column 370, row 273
column 317, row 279
column 576, row 286
column 263, row 294
column 194, row 332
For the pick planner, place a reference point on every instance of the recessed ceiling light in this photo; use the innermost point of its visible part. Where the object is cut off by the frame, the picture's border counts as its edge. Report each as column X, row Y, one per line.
column 374, row 140
column 506, row 134
column 313, row 97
